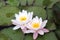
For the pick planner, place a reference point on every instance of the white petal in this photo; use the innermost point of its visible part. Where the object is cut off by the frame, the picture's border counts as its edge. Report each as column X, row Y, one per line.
column 30, row 15
column 23, row 30
column 22, row 27
column 45, row 30
column 16, row 27
column 43, row 24
column 24, row 11
column 15, row 22
column 41, row 32
column 35, row 35
column 36, row 19
column 40, row 20
column 16, row 15
column 19, row 12
column 29, row 31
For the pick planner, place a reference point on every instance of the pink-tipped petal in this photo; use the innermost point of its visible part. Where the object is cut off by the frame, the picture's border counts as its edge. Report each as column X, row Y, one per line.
column 45, row 30
column 43, row 24
column 22, row 27
column 29, row 31
column 41, row 32
column 35, row 35
column 16, row 27
column 24, row 30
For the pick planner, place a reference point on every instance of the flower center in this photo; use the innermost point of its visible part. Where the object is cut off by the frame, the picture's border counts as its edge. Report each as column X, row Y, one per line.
column 23, row 18
column 35, row 25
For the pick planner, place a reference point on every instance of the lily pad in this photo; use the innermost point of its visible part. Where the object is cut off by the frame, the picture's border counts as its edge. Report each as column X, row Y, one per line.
column 30, row 2
column 3, row 37
column 47, row 36
column 13, row 34
column 23, row 2
column 58, row 33
column 50, row 14
column 6, row 14
column 52, row 3
column 38, row 11
column 13, row 2
column 39, row 3
column 2, row 3
column 46, row 3
column 28, row 37
column 51, row 25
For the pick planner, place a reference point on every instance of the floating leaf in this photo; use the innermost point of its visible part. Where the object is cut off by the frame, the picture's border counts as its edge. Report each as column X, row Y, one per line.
column 2, row 3
column 13, row 34
column 38, row 11
column 13, row 2
column 23, row 2
column 50, row 36
column 47, row 36
column 51, row 25
column 6, row 14
column 52, row 3
column 3, row 37
column 28, row 37
column 46, row 2
column 39, row 3
column 58, row 33
column 50, row 14
column 30, row 2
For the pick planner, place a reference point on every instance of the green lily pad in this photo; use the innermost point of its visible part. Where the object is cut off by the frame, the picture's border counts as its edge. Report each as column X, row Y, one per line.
column 23, row 2
column 37, row 11
column 2, row 3
column 52, row 3
column 13, row 34
column 47, row 36
column 51, row 25
column 50, row 14
column 50, row 36
column 3, row 37
column 28, row 37
column 30, row 2
column 13, row 2
column 58, row 33
column 46, row 2
column 6, row 14
column 39, row 3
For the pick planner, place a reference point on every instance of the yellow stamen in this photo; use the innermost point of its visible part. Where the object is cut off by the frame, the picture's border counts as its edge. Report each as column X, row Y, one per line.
column 23, row 18
column 35, row 25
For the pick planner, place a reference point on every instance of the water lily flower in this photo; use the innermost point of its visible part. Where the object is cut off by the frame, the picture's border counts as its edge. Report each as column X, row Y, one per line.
column 22, row 19
column 36, row 26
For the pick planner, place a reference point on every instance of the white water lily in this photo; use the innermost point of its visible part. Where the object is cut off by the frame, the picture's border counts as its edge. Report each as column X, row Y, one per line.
column 36, row 26
column 22, row 19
